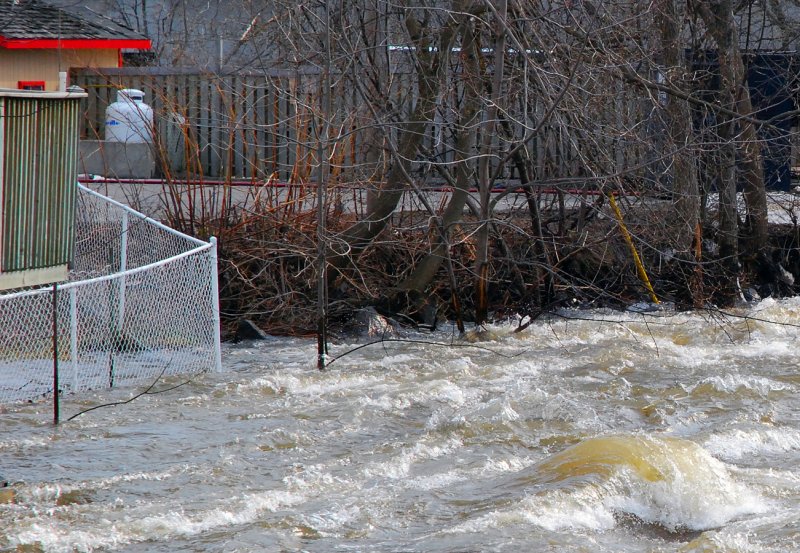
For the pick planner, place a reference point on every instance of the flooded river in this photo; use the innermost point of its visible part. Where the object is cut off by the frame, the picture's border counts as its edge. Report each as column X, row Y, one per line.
column 587, row 432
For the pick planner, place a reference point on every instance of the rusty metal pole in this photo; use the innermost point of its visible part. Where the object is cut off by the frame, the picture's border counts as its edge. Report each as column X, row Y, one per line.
column 322, row 200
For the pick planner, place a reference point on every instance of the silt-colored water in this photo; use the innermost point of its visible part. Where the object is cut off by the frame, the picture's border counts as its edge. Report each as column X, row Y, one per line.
column 588, row 432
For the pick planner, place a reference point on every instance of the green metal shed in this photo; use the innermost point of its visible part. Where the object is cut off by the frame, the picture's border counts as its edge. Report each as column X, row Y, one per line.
column 38, row 180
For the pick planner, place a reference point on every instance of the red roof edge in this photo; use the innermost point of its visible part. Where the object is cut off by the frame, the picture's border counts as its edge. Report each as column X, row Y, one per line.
column 77, row 43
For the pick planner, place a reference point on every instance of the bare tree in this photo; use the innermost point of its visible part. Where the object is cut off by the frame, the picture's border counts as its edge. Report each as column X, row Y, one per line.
column 490, row 138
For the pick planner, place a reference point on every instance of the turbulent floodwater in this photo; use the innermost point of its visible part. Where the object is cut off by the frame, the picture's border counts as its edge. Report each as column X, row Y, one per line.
column 601, row 432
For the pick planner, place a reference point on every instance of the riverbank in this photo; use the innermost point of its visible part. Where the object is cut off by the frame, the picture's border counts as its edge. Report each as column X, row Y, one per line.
column 573, row 254
column 267, row 271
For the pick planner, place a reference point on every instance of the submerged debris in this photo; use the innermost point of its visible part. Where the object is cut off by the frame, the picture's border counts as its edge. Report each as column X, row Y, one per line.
column 248, row 330
column 7, row 493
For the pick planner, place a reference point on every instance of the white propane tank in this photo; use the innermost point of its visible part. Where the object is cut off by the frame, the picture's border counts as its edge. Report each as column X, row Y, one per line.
column 129, row 119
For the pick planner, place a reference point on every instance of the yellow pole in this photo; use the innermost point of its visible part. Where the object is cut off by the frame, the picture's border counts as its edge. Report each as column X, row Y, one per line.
column 636, row 259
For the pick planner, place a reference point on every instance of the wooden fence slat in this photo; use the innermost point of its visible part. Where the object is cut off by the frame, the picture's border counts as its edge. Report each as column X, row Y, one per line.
column 204, row 117
column 256, row 124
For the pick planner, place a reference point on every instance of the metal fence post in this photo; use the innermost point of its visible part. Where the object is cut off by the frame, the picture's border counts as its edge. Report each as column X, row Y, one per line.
column 73, row 335
column 55, row 354
column 215, row 305
column 123, row 266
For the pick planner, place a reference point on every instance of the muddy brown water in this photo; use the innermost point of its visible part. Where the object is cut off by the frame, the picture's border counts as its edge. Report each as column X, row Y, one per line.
column 591, row 432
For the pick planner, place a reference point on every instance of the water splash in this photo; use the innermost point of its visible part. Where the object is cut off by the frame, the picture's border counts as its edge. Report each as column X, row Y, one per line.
column 661, row 480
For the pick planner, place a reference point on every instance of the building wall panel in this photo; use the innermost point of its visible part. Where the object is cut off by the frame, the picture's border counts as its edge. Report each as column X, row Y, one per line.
column 38, row 179
column 45, row 64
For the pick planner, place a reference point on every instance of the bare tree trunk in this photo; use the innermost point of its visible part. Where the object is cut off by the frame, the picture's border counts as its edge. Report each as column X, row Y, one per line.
column 431, row 60
column 685, row 189
column 685, row 182
column 715, row 18
column 484, row 182
column 727, row 235
column 425, row 271
column 718, row 17
column 376, row 56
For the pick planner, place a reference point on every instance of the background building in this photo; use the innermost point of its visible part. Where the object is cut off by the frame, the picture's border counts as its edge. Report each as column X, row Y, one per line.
column 38, row 41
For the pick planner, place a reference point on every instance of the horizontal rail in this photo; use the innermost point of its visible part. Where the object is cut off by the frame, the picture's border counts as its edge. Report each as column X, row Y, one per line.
column 142, row 216
column 201, row 246
column 112, row 276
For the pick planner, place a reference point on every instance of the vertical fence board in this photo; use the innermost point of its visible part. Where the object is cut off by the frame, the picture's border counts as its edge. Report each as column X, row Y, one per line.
column 258, row 125
column 204, row 120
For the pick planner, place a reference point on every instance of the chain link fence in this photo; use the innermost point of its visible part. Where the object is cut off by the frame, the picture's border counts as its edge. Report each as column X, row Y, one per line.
column 141, row 302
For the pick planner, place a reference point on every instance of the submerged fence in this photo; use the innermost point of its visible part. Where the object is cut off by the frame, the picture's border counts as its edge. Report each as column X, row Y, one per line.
column 141, row 302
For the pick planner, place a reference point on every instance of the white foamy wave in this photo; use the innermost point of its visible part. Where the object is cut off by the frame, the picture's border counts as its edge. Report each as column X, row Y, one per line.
column 328, row 522
column 560, row 407
column 498, row 410
column 556, row 511
column 504, row 465
column 385, row 402
column 62, row 538
column 596, row 507
column 312, row 385
column 734, row 383
column 492, row 467
column 764, row 345
column 782, row 310
column 21, row 443
column 666, row 481
column 314, row 479
column 675, row 506
column 737, row 444
column 193, row 400
column 526, row 367
column 241, row 511
column 49, row 493
column 399, row 361
column 722, row 541
column 443, row 391
column 57, row 536
column 400, row 466
column 685, row 503
column 582, row 509
column 435, row 391
column 461, row 364
column 438, row 481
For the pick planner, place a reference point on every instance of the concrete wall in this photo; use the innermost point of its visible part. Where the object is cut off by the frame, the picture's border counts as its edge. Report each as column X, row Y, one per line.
column 117, row 159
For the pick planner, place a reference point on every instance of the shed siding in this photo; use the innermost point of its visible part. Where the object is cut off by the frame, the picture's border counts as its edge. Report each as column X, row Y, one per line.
column 38, row 179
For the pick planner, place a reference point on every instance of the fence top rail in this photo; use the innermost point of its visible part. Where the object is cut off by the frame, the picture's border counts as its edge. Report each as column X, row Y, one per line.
column 200, row 246
column 142, row 216
column 194, row 71
column 78, row 93
column 112, row 276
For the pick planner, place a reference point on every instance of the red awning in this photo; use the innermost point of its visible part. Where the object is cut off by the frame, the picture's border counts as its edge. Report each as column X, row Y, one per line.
column 97, row 43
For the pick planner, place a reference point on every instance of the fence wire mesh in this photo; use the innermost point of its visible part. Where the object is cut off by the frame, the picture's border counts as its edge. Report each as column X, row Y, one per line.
column 141, row 302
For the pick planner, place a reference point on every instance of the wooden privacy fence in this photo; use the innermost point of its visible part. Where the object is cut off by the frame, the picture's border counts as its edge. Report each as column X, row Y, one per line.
column 262, row 125
column 243, row 125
